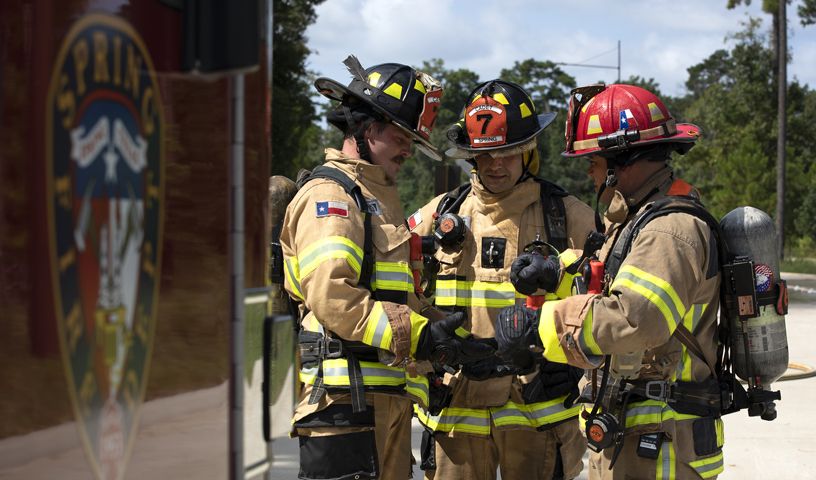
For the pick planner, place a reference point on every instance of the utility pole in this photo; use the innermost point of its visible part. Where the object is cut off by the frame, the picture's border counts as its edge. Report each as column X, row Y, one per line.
column 587, row 65
column 782, row 117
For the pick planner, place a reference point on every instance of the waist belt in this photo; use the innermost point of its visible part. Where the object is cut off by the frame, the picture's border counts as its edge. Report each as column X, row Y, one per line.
column 315, row 347
column 695, row 398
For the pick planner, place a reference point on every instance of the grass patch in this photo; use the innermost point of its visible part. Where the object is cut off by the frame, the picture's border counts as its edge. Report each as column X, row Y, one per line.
column 799, row 265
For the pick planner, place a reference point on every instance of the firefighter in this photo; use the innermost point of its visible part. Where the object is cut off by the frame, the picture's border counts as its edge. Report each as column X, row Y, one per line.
column 655, row 411
column 500, row 416
column 346, row 263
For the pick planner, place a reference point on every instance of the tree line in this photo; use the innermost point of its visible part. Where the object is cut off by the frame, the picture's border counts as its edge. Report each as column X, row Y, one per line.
column 730, row 95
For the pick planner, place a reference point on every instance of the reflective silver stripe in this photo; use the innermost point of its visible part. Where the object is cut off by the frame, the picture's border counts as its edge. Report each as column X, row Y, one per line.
column 329, row 247
column 667, row 299
column 367, row 372
column 536, row 414
column 460, row 420
column 486, row 294
column 711, row 466
column 394, row 276
column 666, row 460
column 379, row 329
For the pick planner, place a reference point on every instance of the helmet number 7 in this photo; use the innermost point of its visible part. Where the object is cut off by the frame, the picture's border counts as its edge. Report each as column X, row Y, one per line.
column 486, row 117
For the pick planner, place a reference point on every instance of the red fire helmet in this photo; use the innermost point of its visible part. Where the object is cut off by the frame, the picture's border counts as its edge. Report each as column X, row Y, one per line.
column 606, row 119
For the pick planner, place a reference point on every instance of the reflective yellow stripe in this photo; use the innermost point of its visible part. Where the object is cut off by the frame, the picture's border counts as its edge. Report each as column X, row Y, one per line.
column 378, row 330
column 657, row 291
column 419, row 86
column 586, row 340
column 326, row 249
column 460, row 420
column 465, row 293
column 718, row 426
column 292, row 275
column 710, row 466
column 336, row 374
column 666, row 466
column 652, row 412
column 417, row 387
column 549, row 337
column 418, row 324
column 564, row 289
column 533, row 415
column 392, row 276
column 462, row 332
column 690, row 321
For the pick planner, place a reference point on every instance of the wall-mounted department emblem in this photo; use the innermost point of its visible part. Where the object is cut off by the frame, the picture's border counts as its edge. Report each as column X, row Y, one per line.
column 105, row 199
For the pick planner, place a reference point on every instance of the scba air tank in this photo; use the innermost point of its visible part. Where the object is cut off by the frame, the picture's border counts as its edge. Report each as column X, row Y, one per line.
column 750, row 235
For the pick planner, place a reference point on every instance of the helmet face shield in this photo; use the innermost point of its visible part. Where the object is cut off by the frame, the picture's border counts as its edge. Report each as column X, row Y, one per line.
column 579, row 97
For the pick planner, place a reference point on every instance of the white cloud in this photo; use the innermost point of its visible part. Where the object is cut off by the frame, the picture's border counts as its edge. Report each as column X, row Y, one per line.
column 660, row 38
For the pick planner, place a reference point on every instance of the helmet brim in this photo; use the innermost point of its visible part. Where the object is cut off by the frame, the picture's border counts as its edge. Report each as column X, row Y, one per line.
column 461, row 150
column 334, row 90
column 687, row 133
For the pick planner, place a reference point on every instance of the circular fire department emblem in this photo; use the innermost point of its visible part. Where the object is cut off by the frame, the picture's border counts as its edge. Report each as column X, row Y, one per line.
column 105, row 200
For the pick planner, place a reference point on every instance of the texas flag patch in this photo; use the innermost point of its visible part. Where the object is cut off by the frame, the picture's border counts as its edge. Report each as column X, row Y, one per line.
column 325, row 209
column 414, row 220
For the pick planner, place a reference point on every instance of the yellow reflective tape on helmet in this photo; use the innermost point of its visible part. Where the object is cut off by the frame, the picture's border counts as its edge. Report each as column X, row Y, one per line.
column 549, row 337
column 419, row 86
column 654, row 112
column 292, row 275
column 456, row 420
column 374, row 78
column 336, row 374
column 417, row 387
column 418, row 324
column 395, row 90
column 395, row 276
column 567, row 258
column 666, row 462
column 327, row 249
column 464, row 293
column 499, row 97
column 524, row 110
column 657, row 291
column 378, row 330
column 710, row 466
column 533, row 415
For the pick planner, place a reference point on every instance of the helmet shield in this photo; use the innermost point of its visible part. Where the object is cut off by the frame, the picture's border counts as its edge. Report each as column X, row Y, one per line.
column 499, row 118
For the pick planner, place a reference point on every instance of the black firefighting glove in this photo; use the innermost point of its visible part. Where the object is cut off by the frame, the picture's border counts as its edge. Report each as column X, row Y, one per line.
column 440, row 344
column 531, row 271
column 516, row 331
column 553, row 380
column 490, row 367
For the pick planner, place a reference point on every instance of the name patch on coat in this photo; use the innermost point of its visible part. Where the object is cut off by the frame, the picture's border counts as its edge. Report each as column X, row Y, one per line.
column 325, row 209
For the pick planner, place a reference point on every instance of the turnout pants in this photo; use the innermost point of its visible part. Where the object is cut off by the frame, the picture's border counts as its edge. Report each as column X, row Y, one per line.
column 336, row 443
column 519, row 454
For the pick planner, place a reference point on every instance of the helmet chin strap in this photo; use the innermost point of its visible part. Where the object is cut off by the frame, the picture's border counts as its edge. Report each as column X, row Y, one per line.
column 611, row 181
column 359, row 137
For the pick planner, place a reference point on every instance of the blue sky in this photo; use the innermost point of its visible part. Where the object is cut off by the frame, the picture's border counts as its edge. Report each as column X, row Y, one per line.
column 659, row 38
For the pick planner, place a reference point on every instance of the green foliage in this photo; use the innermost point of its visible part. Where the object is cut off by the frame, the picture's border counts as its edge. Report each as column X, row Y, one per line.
column 294, row 132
